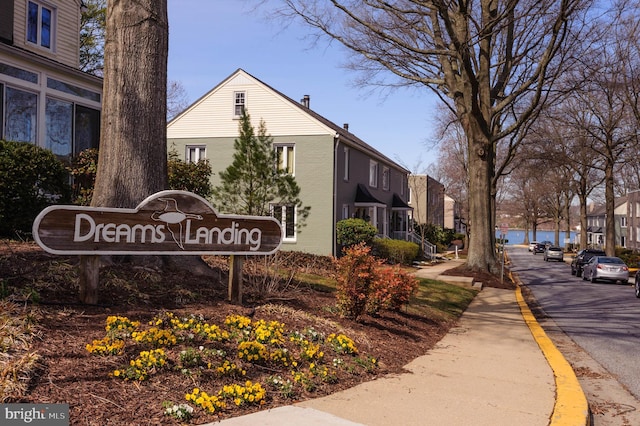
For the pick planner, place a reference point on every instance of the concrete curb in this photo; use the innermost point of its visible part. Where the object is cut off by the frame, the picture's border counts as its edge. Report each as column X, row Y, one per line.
column 571, row 407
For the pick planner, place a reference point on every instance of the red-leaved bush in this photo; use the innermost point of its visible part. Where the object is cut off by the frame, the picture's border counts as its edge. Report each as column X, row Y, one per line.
column 392, row 289
column 365, row 284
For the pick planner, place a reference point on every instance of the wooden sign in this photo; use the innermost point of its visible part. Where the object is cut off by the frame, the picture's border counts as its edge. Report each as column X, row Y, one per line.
column 168, row 222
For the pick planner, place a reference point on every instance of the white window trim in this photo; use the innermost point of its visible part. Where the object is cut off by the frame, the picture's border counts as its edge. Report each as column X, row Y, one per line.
column 201, row 151
column 373, row 173
column 236, row 104
column 285, row 159
column 52, row 30
column 345, row 211
column 286, row 239
column 386, row 184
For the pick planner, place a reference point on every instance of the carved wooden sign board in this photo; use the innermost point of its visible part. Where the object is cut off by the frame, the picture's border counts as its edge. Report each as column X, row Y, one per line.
column 166, row 223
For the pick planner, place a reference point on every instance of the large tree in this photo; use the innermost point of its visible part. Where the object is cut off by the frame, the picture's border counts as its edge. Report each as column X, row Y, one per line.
column 491, row 62
column 133, row 148
column 133, row 141
column 92, row 38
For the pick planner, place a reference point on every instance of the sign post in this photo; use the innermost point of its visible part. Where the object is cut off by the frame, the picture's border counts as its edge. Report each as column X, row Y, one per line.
column 503, row 234
column 166, row 223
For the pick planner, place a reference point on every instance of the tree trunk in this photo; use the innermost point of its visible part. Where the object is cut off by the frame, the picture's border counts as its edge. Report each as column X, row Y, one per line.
column 610, row 207
column 235, row 279
column 132, row 162
column 583, row 221
column 567, row 213
column 481, row 253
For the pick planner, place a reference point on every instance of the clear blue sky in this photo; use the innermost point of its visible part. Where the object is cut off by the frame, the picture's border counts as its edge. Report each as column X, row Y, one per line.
column 209, row 40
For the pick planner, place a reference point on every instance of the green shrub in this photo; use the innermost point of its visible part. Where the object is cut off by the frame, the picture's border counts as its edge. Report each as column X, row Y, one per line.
column 84, row 167
column 628, row 256
column 31, row 178
column 193, row 177
column 354, row 231
column 396, row 251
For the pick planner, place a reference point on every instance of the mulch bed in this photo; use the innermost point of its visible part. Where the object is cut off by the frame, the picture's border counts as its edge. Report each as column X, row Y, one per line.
column 69, row 374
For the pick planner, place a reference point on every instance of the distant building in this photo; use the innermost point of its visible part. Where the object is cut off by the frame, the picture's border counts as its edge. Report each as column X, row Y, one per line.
column 453, row 215
column 596, row 224
column 633, row 220
column 427, row 199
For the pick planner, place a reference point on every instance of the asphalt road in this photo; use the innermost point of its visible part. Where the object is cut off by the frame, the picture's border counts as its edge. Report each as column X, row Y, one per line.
column 601, row 318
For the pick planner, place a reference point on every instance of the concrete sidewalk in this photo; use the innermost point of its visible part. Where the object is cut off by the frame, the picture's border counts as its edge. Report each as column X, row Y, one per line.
column 490, row 369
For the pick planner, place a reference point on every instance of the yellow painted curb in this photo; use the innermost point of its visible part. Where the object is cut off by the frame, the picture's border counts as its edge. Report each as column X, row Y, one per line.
column 571, row 407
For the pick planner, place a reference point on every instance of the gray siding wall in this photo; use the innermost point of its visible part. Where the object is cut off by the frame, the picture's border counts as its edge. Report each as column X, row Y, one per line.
column 313, row 173
column 359, row 163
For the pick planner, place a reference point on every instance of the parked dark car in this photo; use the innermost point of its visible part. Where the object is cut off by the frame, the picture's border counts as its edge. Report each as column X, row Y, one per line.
column 539, row 248
column 583, row 256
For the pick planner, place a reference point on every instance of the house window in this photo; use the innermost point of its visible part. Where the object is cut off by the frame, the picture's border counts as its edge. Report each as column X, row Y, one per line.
column 373, row 174
column 195, row 153
column 12, row 71
column 363, row 213
column 20, row 115
column 623, row 221
column 346, row 164
column 40, row 24
column 59, row 127
column 86, row 128
column 72, row 89
column 623, row 241
column 345, row 211
column 286, row 214
column 385, row 178
column 285, row 158
column 239, row 103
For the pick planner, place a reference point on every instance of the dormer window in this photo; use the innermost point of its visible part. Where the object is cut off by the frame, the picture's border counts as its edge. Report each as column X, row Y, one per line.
column 239, row 103
column 40, row 24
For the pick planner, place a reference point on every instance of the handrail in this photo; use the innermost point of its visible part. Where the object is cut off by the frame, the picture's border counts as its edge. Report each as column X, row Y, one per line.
column 428, row 248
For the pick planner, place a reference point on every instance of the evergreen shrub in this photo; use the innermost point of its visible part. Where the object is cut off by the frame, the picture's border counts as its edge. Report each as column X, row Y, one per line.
column 396, row 251
column 354, row 231
column 31, row 178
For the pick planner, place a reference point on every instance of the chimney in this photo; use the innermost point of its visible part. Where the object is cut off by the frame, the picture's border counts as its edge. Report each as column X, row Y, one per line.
column 305, row 101
column 346, row 126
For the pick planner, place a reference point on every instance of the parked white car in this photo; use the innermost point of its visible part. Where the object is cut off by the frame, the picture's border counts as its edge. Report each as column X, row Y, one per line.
column 532, row 244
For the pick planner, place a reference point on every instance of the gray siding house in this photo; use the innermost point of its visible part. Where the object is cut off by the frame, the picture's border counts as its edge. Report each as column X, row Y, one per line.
column 596, row 224
column 340, row 175
column 44, row 98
